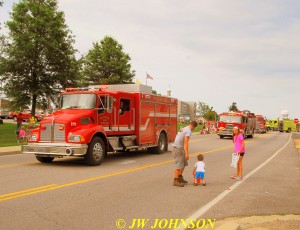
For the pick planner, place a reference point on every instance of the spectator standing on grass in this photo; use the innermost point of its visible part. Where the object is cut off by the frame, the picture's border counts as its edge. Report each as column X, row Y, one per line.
column 181, row 153
column 22, row 134
column 19, row 122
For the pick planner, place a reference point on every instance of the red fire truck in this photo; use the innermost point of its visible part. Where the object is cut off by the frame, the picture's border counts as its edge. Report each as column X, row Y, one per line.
column 245, row 120
column 261, row 124
column 92, row 122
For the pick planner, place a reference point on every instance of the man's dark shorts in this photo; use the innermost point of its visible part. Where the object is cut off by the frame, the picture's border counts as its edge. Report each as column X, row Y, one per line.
column 179, row 158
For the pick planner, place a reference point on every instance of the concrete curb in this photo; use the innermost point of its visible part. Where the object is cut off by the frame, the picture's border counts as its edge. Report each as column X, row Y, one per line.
column 10, row 153
column 12, row 150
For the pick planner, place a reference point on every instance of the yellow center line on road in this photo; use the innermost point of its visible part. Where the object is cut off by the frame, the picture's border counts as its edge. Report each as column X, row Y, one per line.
column 17, row 164
column 200, row 139
column 14, row 195
column 26, row 191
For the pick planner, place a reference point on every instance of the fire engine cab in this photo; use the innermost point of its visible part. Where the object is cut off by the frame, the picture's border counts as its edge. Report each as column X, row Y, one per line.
column 261, row 124
column 92, row 122
column 245, row 120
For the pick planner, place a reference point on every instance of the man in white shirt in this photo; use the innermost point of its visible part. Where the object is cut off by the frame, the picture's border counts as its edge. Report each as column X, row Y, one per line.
column 181, row 153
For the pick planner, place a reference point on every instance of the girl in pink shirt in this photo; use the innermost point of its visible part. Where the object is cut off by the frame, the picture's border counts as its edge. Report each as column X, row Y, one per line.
column 239, row 148
column 22, row 134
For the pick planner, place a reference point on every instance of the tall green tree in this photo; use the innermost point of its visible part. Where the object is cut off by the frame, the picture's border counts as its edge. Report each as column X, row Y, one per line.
column 206, row 111
column 107, row 63
column 233, row 107
column 202, row 108
column 39, row 58
column 2, row 45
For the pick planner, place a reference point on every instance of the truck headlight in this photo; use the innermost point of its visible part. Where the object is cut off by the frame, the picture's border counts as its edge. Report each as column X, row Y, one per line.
column 33, row 137
column 76, row 138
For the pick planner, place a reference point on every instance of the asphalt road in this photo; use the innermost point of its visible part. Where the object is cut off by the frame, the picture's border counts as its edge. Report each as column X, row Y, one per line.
column 68, row 194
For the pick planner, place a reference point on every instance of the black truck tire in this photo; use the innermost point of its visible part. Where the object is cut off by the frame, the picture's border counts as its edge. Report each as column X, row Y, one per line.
column 96, row 152
column 252, row 135
column 44, row 159
column 162, row 145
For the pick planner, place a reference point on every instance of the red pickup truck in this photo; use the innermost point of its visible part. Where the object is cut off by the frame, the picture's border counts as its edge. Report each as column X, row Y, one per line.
column 25, row 116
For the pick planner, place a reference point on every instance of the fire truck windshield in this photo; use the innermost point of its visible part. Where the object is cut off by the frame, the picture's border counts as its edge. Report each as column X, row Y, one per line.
column 231, row 119
column 78, row 101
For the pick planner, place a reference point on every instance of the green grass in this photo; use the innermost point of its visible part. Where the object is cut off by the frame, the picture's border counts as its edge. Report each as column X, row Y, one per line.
column 8, row 135
column 197, row 130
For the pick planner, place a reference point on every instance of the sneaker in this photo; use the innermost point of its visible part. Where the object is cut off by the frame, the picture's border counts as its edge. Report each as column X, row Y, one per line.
column 233, row 177
column 182, row 180
column 239, row 178
column 178, row 183
column 195, row 184
column 204, row 184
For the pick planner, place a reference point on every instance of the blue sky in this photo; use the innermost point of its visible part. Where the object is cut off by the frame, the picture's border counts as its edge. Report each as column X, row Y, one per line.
column 212, row 51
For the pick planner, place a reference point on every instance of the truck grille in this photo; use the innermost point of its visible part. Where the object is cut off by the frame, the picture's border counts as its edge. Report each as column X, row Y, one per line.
column 229, row 127
column 58, row 135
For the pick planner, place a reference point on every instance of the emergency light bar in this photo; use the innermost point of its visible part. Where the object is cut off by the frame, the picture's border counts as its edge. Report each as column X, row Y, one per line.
column 76, row 89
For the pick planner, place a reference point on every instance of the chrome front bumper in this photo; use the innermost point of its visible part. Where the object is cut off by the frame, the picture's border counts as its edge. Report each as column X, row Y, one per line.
column 225, row 133
column 55, row 149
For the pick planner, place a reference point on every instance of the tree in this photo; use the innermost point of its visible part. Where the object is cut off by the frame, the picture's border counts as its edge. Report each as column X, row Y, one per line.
column 2, row 43
column 39, row 59
column 207, row 112
column 233, row 107
column 107, row 63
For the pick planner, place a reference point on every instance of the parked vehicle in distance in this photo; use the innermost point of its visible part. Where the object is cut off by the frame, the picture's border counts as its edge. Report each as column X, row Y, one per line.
column 245, row 120
column 26, row 114
column 261, row 124
column 92, row 122
column 273, row 124
column 287, row 125
column 4, row 114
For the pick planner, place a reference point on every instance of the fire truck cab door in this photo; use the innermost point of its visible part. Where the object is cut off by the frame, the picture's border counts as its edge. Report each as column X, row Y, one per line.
column 126, row 115
column 105, row 112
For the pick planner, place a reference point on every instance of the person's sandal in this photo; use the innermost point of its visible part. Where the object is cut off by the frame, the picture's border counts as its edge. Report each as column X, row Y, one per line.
column 204, row 184
column 240, row 178
column 195, row 184
column 233, row 177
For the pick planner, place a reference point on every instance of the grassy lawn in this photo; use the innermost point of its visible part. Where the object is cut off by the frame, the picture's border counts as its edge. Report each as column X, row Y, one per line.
column 197, row 130
column 8, row 135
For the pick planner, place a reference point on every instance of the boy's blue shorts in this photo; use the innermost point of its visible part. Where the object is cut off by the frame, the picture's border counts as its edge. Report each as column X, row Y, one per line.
column 199, row 175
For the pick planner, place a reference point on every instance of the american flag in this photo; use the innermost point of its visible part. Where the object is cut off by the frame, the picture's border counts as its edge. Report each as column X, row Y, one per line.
column 149, row 77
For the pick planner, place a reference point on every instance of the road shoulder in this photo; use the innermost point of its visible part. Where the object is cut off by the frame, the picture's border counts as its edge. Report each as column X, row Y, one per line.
column 10, row 150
